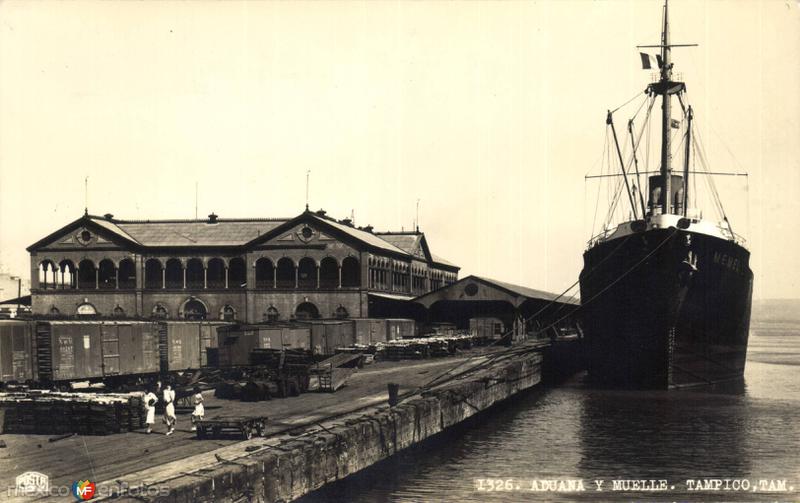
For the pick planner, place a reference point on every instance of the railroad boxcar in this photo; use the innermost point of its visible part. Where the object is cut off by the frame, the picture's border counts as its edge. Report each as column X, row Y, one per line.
column 327, row 335
column 95, row 350
column 183, row 344
column 234, row 343
column 208, row 338
column 17, row 352
column 400, row 328
column 369, row 330
column 296, row 337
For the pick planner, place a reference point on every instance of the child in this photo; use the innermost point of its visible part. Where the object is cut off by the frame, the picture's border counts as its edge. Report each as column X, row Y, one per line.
column 150, row 400
column 199, row 411
column 169, row 409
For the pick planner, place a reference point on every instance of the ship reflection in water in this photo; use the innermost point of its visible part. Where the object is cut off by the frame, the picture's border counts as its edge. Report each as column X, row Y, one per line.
column 574, row 432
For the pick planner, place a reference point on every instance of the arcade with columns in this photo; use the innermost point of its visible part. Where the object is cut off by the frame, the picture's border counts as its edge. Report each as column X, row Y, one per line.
column 248, row 270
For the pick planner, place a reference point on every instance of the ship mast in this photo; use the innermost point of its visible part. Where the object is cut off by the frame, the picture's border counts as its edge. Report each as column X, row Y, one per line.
column 666, row 110
column 666, row 87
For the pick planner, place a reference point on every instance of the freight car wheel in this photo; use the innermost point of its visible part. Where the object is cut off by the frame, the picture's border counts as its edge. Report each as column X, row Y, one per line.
column 247, row 432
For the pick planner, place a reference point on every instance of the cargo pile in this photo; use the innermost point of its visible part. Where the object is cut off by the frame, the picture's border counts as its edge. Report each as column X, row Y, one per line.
column 426, row 347
column 55, row 413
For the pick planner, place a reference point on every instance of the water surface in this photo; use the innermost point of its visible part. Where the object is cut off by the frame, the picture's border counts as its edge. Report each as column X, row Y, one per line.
column 576, row 434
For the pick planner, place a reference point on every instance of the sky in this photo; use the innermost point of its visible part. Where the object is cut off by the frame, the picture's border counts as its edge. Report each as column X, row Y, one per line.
column 489, row 113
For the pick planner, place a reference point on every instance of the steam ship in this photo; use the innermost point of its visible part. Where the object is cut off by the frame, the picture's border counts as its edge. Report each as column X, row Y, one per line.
column 665, row 294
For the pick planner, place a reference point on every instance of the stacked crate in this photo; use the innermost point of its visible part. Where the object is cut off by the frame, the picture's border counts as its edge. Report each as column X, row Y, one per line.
column 55, row 413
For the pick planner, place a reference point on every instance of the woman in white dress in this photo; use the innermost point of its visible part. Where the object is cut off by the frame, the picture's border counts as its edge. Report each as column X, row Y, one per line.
column 199, row 410
column 169, row 410
column 150, row 400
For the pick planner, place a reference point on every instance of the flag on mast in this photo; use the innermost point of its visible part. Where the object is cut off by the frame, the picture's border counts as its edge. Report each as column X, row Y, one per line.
column 650, row 62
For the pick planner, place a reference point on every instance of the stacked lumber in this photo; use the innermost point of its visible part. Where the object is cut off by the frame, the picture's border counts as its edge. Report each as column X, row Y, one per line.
column 55, row 413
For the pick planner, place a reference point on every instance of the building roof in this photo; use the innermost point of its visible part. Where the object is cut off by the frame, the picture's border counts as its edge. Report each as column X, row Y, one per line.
column 413, row 242
column 233, row 232
column 225, row 232
column 362, row 235
column 440, row 260
column 408, row 242
column 524, row 291
column 496, row 290
column 25, row 300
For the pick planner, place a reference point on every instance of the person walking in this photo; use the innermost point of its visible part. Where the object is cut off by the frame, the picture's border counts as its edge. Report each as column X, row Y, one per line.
column 150, row 400
column 199, row 410
column 169, row 409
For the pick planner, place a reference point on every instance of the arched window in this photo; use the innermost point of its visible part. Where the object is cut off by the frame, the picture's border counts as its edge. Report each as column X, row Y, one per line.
column 86, row 275
column 47, row 274
column 107, row 275
column 119, row 312
column 127, row 274
column 306, row 311
column 227, row 313
column 174, row 273
column 159, row 311
column 328, row 273
column 271, row 314
column 285, row 273
column 237, row 273
column 194, row 274
column 215, row 273
column 264, row 273
column 351, row 273
column 86, row 309
column 341, row 312
column 68, row 278
column 193, row 309
column 307, row 273
column 153, row 274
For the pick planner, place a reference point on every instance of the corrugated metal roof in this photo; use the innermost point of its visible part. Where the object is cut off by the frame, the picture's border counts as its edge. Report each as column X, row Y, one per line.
column 525, row 291
column 519, row 294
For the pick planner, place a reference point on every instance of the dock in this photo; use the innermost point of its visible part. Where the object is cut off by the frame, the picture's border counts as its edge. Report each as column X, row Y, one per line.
column 310, row 440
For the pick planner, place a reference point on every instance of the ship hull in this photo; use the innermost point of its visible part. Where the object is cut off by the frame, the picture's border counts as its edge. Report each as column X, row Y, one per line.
column 666, row 308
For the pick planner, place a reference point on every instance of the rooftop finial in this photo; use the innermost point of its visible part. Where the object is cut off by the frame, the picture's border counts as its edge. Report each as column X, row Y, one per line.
column 86, row 195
